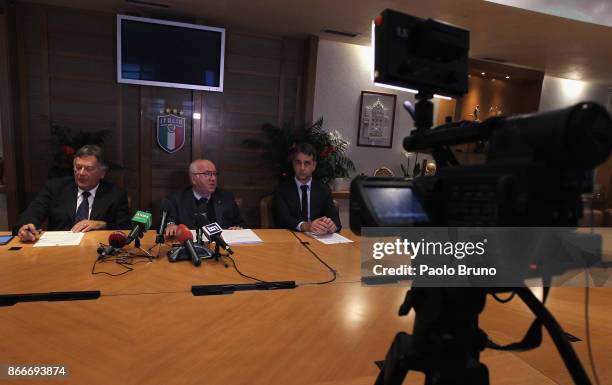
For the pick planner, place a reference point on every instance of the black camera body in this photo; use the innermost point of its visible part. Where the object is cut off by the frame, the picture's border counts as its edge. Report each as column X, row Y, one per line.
column 534, row 175
column 537, row 165
column 536, row 169
column 423, row 54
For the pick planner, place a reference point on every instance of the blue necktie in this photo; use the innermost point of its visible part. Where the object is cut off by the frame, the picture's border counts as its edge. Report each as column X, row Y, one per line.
column 304, row 188
column 203, row 205
column 83, row 210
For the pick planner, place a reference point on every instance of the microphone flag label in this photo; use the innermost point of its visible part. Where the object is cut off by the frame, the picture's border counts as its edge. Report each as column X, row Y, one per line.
column 170, row 132
column 212, row 229
column 143, row 219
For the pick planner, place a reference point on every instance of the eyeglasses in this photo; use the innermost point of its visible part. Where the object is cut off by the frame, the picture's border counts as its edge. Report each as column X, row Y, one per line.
column 87, row 169
column 208, row 174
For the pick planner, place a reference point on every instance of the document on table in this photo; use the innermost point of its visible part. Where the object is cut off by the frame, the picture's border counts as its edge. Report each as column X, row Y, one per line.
column 59, row 238
column 330, row 239
column 241, row 237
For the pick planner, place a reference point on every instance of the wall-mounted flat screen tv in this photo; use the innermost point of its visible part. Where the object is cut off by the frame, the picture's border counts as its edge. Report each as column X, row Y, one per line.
column 169, row 54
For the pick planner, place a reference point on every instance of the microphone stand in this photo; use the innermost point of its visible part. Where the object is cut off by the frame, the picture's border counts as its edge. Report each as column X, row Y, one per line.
column 199, row 233
column 217, row 255
column 159, row 238
column 200, row 220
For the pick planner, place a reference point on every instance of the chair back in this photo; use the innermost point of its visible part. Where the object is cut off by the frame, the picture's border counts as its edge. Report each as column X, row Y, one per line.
column 265, row 208
column 383, row 171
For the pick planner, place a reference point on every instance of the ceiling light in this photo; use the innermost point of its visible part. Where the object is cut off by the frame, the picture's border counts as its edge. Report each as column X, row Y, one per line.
column 342, row 33
column 507, row 77
column 149, row 4
column 398, row 88
column 482, row 73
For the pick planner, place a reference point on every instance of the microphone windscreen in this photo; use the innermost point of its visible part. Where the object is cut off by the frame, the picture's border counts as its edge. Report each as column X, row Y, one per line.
column 117, row 239
column 183, row 234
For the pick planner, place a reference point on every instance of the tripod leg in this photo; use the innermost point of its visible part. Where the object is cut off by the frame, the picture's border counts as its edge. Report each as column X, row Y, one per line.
column 395, row 368
column 556, row 333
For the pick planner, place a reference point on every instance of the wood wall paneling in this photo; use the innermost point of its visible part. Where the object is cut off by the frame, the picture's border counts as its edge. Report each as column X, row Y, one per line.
column 261, row 87
column 130, row 122
column 445, row 108
column 511, row 97
column 23, row 157
column 168, row 171
column 67, row 75
column 8, row 111
column 519, row 94
column 68, row 63
column 198, row 100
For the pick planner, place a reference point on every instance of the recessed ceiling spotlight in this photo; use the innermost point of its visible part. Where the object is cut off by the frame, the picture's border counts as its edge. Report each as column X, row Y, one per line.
column 482, row 73
column 342, row 33
column 507, row 77
column 149, row 4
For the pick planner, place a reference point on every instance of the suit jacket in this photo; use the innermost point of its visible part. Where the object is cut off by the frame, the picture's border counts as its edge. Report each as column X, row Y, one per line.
column 287, row 205
column 56, row 203
column 181, row 206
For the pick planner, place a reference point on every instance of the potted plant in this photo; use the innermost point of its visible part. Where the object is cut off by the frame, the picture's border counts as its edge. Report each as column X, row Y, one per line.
column 65, row 143
column 331, row 149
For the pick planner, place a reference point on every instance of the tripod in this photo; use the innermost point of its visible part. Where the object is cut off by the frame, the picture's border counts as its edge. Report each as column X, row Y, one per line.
column 446, row 341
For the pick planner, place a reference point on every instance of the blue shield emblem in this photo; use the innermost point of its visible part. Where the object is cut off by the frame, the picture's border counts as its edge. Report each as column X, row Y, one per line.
column 170, row 132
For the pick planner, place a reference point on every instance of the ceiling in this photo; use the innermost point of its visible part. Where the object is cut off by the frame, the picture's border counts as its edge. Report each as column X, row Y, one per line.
column 556, row 45
column 591, row 11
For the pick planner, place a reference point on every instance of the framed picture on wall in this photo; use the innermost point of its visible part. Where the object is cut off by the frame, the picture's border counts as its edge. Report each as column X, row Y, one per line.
column 376, row 117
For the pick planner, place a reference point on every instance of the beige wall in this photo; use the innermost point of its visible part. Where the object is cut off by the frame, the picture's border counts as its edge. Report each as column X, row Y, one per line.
column 343, row 71
column 559, row 93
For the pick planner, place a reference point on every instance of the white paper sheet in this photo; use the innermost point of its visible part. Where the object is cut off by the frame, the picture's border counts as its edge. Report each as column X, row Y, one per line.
column 330, row 239
column 59, row 238
column 241, row 237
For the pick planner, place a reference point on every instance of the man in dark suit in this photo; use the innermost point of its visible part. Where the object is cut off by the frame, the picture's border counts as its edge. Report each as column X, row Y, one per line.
column 302, row 203
column 203, row 196
column 81, row 203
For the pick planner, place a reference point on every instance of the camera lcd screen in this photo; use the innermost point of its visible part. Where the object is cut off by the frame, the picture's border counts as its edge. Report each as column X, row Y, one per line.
column 395, row 206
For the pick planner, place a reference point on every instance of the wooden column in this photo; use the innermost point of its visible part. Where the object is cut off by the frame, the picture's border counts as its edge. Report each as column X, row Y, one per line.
column 311, row 46
column 9, row 106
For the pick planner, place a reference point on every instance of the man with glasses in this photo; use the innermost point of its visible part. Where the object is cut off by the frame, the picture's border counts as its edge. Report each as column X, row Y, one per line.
column 203, row 196
column 80, row 203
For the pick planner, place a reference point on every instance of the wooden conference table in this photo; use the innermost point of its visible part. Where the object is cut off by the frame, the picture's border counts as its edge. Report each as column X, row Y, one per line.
column 147, row 327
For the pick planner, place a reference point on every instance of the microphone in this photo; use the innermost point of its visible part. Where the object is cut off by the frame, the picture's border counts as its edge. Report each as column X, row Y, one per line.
column 213, row 233
column 184, row 236
column 201, row 219
column 141, row 222
column 162, row 226
column 116, row 241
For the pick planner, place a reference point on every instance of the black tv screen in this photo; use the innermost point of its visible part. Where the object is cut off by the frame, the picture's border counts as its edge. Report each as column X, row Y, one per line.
column 169, row 54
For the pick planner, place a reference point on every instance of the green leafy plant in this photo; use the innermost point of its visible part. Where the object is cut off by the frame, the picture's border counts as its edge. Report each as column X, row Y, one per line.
column 331, row 149
column 65, row 143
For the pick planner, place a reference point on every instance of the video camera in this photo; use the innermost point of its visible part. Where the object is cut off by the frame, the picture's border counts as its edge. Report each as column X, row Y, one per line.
column 537, row 168
column 538, row 165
